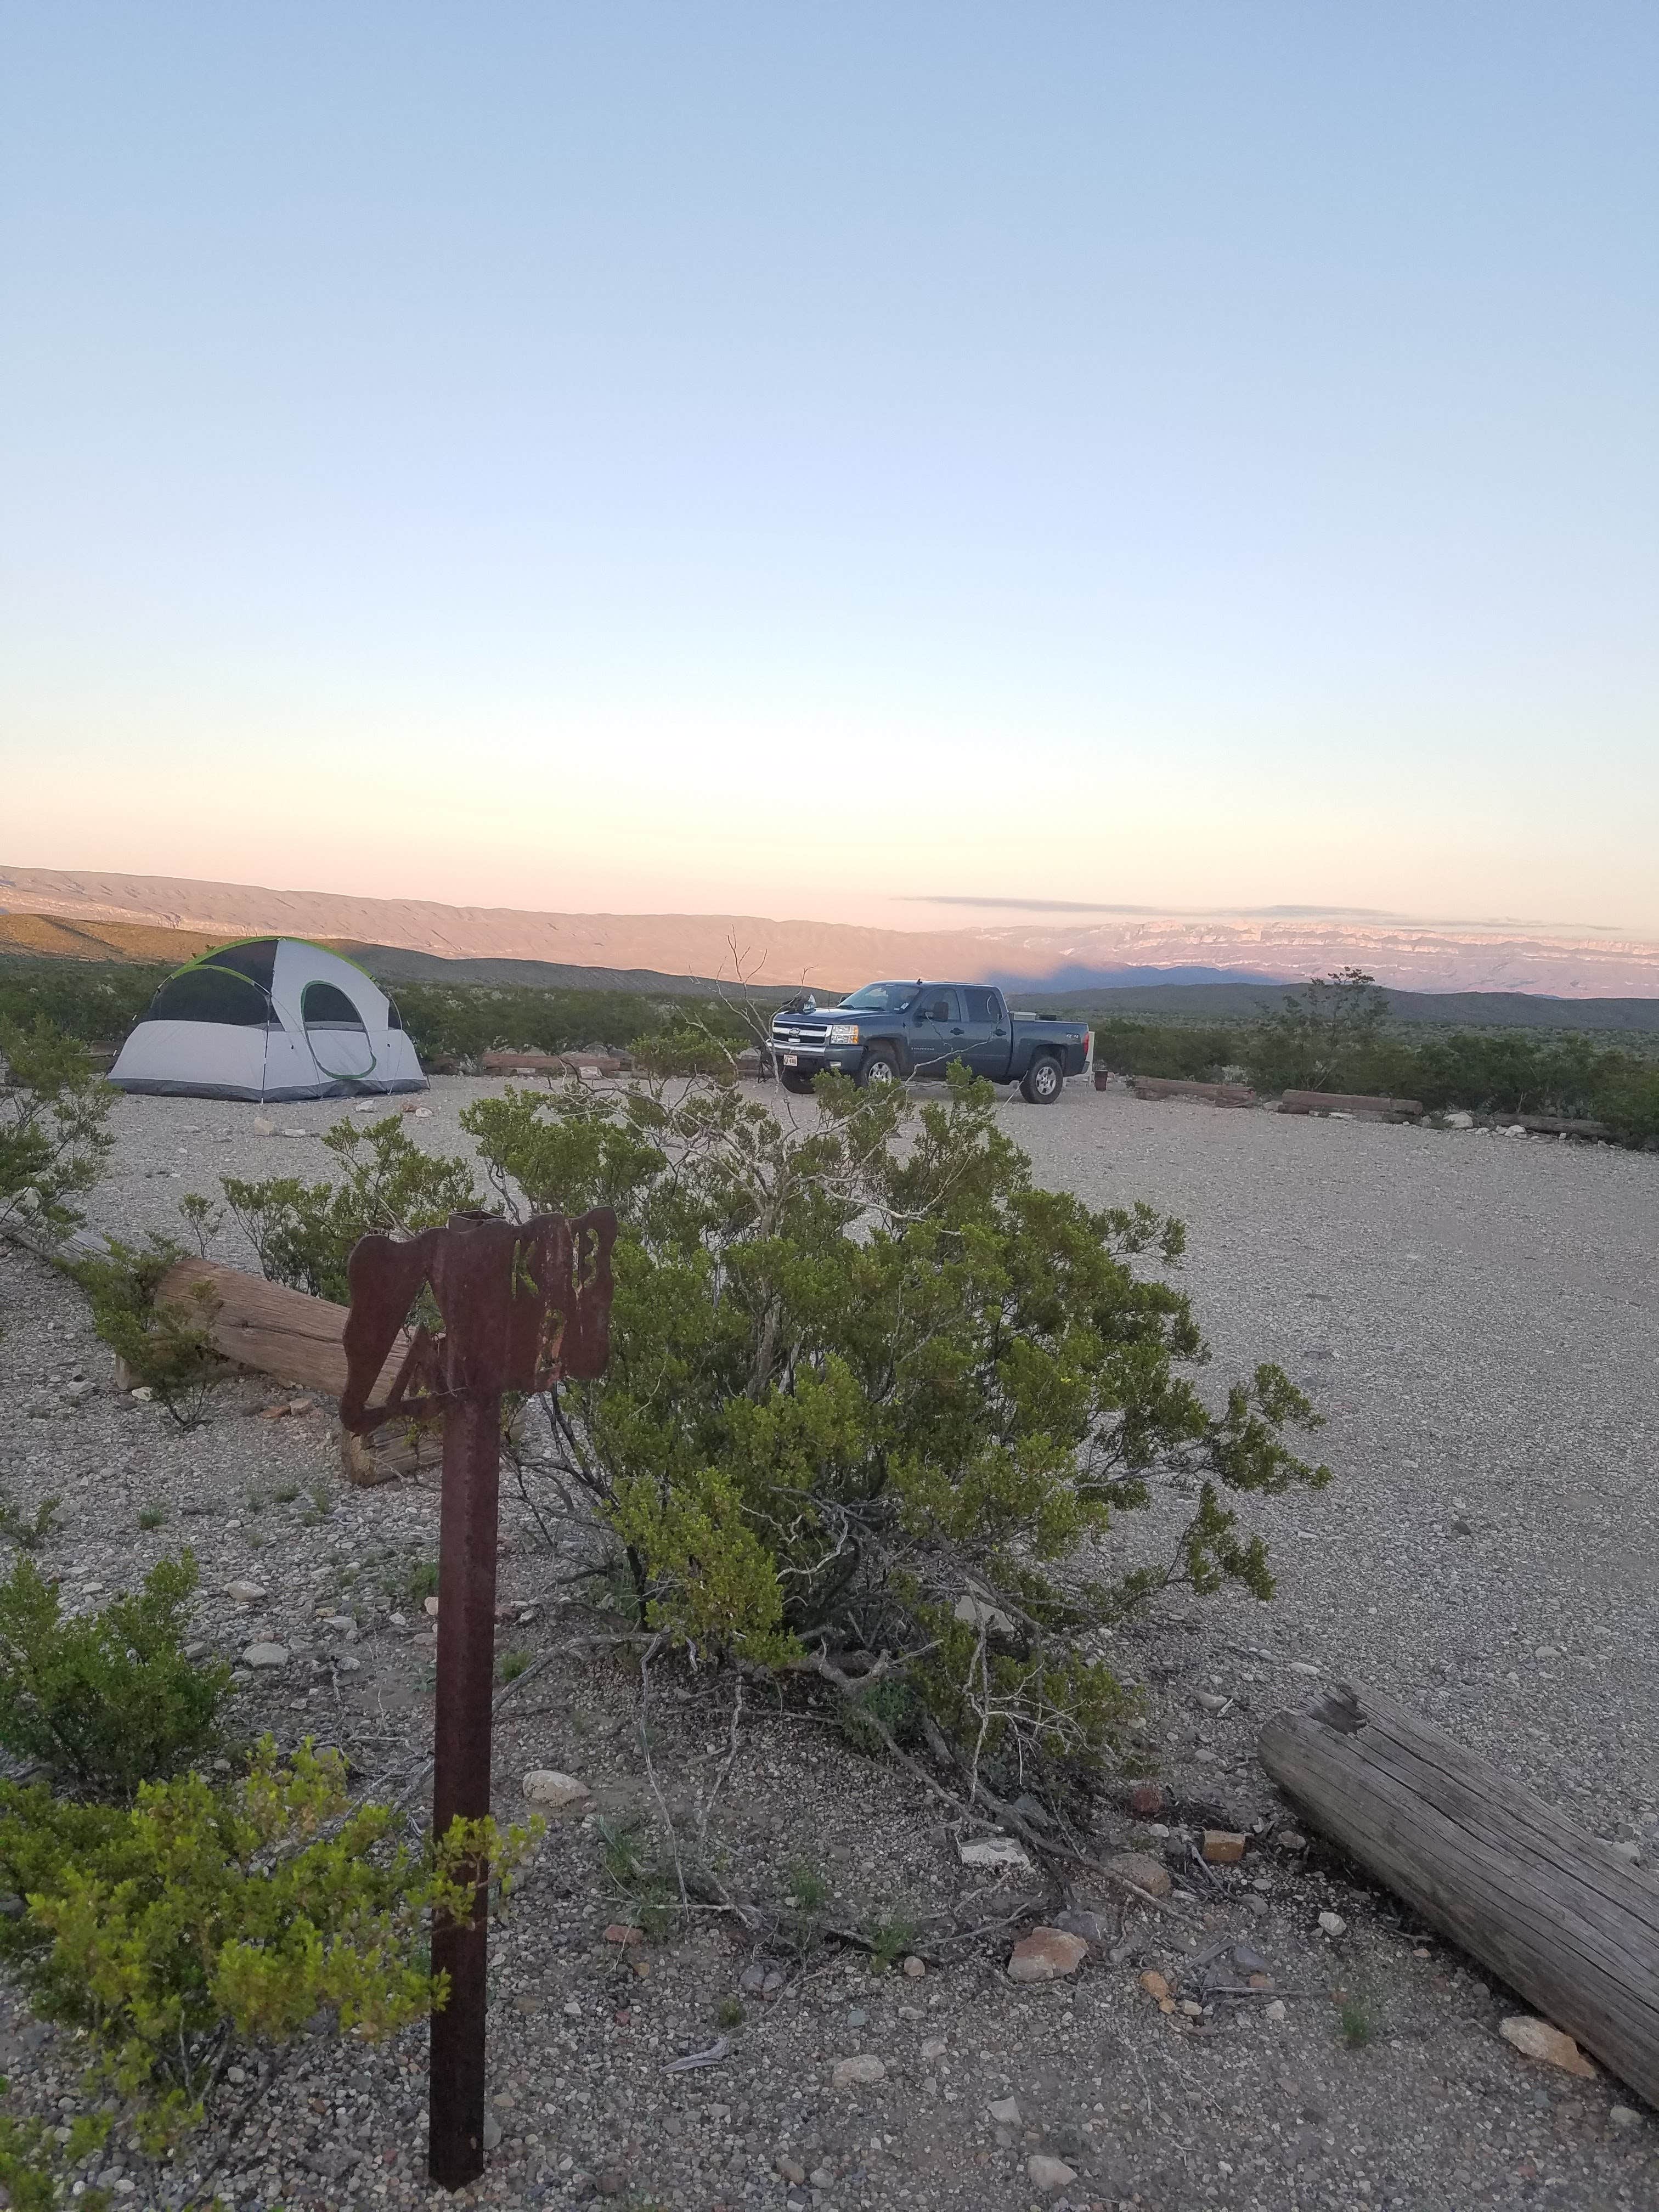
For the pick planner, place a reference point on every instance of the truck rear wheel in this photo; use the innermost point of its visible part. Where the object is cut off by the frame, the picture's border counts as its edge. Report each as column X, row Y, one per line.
column 1044, row 1080
column 878, row 1068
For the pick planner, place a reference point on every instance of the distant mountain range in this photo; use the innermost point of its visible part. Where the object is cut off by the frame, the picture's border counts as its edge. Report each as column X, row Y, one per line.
column 1047, row 954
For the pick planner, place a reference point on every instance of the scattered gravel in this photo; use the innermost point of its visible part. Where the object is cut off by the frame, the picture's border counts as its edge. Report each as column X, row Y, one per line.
column 1475, row 1314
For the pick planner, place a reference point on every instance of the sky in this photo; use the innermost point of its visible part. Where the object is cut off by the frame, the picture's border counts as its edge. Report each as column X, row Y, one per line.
column 828, row 460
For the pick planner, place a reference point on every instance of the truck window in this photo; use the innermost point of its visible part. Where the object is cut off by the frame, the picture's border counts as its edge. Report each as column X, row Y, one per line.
column 982, row 1006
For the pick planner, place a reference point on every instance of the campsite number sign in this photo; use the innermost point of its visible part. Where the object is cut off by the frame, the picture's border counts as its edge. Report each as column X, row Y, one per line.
column 523, row 1304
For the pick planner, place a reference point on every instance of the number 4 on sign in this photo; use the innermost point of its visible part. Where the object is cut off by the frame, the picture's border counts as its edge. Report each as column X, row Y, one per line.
column 524, row 1305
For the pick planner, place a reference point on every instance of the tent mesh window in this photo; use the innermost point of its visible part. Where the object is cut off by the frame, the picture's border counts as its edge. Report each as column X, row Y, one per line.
column 322, row 1007
column 258, row 961
column 212, row 995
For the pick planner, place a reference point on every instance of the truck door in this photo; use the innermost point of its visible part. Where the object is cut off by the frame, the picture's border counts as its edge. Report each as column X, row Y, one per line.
column 935, row 1028
column 985, row 1033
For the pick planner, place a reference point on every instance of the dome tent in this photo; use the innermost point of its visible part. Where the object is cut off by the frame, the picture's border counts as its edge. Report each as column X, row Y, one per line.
column 272, row 1019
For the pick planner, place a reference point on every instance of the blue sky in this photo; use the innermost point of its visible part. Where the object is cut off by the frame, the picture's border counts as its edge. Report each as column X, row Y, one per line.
column 804, row 459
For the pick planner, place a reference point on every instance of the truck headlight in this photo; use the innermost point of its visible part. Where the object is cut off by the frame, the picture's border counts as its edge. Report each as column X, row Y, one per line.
column 843, row 1032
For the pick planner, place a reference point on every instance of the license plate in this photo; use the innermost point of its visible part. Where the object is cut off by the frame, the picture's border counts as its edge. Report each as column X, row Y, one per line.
column 791, row 1060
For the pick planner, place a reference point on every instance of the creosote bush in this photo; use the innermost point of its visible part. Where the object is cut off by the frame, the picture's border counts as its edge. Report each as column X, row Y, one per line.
column 303, row 1233
column 107, row 1700
column 201, row 1919
column 166, row 1343
column 54, row 1137
column 875, row 1404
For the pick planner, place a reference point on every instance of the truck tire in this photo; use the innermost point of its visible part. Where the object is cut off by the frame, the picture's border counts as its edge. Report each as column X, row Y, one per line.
column 793, row 1079
column 1045, row 1079
column 878, row 1068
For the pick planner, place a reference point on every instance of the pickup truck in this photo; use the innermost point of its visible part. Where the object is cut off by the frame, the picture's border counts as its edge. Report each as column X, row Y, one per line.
column 885, row 1032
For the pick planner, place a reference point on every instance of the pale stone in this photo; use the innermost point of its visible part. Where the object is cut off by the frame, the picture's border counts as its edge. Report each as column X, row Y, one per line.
column 552, row 1791
column 1275, row 2011
column 979, row 1613
column 914, row 1968
column 265, row 1655
column 1333, row 1924
column 1223, row 1847
column 1538, row 2039
column 859, row 2072
column 1006, row 2112
column 1048, row 2174
column 994, row 1851
column 245, row 1593
column 1154, row 1984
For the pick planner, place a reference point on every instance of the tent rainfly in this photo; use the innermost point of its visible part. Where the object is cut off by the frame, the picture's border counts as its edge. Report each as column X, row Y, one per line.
column 275, row 1017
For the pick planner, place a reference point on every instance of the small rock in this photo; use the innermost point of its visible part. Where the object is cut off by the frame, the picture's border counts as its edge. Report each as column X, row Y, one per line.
column 1146, row 1800
column 994, row 1851
column 342, row 1623
column 1048, row 2173
column 1085, row 1924
column 1630, row 1852
column 298, row 1408
column 858, row 2072
column 934, row 2048
column 914, row 1968
column 791, row 2170
column 1154, row 1984
column 265, row 1655
column 144, row 1393
column 1538, row 2039
column 1256, row 1904
column 1147, row 1873
column 617, row 1932
column 1460, row 1121
column 349, row 1663
column 1213, row 1702
column 552, row 1791
column 1192, row 2008
column 1624, row 2116
column 1222, row 1846
column 432, row 1607
column 1275, row 2011
column 1006, row 2112
column 492, row 2132
column 979, row 1613
column 1248, row 1960
column 246, row 1593
column 262, row 1127
column 1333, row 1924
column 1289, row 1839
column 1047, row 1955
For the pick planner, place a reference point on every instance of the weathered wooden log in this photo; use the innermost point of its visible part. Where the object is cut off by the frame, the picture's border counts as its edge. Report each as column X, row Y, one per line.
column 553, row 1063
column 1213, row 1094
column 1557, row 1125
column 1556, row 1914
column 299, row 1340
column 265, row 1325
column 1355, row 1102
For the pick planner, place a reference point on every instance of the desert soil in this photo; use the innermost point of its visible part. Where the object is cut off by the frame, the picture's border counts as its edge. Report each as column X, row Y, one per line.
column 1475, row 1315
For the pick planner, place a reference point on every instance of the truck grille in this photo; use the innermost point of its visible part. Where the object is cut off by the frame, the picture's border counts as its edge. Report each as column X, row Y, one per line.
column 814, row 1035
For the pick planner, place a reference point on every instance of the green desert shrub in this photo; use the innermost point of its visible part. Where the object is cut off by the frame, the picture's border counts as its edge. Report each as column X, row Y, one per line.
column 54, row 1139
column 166, row 1343
column 199, row 1919
column 861, row 1370
column 303, row 1233
column 107, row 1700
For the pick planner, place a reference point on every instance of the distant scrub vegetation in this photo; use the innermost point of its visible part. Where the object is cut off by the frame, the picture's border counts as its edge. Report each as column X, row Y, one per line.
column 1335, row 1035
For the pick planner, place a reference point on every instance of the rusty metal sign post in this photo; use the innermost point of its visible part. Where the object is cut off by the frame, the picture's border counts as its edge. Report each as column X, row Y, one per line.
column 523, row 1305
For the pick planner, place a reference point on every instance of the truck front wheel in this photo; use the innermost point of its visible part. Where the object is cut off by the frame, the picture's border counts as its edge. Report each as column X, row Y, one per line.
column 877, row 1069
column 1044, row 1081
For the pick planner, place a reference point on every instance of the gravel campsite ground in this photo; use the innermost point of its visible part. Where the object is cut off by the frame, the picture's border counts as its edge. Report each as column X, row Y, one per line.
column 1476, row 1316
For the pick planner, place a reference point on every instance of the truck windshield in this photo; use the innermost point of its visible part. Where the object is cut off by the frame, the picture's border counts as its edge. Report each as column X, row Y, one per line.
column 880, row 997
